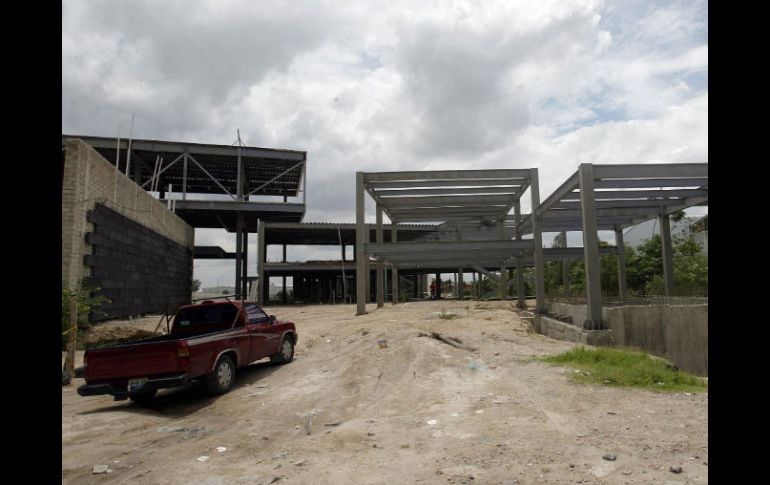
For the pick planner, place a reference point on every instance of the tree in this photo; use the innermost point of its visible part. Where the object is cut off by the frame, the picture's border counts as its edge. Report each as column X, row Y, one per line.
column 196, row 285
column 76, row 308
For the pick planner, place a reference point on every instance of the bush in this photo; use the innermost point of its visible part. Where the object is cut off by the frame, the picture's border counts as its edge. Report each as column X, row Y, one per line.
column 87, row 299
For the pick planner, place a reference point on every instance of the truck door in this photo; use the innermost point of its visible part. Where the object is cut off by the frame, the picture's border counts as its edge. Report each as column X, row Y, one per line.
column 259, row 326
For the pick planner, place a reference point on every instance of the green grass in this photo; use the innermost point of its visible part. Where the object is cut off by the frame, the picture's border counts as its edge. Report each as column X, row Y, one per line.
column 447, row 315
column 626, row 368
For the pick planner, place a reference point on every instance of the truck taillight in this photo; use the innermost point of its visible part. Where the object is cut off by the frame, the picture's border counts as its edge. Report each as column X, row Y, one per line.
column 183, row 352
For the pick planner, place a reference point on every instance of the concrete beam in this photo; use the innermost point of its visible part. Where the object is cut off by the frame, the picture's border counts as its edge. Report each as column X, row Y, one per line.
column 445, row 201
column 448, row 246
column 385, row 194
column 641, row 194
column 515, row 182
column 605, row 204
column 462, row 175
column 651, row 182
column 564, row 189
column 486, row 273
column 651, row 170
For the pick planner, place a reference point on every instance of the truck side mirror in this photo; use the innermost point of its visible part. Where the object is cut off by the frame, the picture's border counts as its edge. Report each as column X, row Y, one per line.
column 272, row 318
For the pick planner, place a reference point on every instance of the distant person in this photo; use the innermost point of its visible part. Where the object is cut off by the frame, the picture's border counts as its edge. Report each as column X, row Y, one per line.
column 433, row 289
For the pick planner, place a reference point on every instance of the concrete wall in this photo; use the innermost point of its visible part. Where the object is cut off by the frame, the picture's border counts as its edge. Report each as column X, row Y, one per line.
column 88, row 180
column 678, row 333
column 578, row 312
column 572, row 333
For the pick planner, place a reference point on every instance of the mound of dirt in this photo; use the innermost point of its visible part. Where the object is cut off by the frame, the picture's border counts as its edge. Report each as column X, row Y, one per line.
column 99, row 335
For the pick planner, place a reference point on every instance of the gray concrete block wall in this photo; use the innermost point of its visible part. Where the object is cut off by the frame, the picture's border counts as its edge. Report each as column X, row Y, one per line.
column 139, row 270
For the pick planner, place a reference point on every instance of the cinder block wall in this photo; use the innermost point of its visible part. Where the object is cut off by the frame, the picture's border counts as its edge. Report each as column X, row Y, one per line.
column 90, row 180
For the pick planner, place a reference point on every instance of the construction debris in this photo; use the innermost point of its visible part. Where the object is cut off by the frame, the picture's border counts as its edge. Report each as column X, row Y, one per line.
column 453, row 341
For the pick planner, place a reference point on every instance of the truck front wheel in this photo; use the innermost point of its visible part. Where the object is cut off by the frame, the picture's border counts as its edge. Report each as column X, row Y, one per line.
column 221, row 379
column 285, row 352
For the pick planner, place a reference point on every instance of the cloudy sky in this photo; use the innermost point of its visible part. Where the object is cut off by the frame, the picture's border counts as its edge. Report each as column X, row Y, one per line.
column 396, row 85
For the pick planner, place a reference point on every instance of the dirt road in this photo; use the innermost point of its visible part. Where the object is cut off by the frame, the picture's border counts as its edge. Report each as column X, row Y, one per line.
column 418, row 411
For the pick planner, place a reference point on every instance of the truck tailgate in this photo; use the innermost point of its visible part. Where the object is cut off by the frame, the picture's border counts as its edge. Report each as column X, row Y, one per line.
column 137, row 360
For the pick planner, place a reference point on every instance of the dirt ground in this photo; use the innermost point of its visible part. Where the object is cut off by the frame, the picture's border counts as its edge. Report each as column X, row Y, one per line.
column 417, row 411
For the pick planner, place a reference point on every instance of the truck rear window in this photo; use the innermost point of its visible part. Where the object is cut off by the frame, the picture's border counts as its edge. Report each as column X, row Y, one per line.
column 205, row 315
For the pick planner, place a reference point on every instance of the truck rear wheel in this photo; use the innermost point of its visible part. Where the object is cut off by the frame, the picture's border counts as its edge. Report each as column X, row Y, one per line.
column 285, row 352
column 143, row 396
column 221, row 379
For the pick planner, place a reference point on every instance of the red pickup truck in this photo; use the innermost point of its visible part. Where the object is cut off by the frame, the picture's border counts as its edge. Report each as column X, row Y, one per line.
column 207, row 341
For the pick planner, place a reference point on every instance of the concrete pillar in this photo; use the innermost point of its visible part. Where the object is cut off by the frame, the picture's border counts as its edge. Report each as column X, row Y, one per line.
column 184, row 177
column 368, row 239
column 565, row 266
column 283, row 282
column 460, row 285
column 245, row 262
column 621, row 263
column 668, row 254
column 360, row 256
column 538, row 240
column 521, row 294
column 238, row 255
column 503, row 282
column 380, row 266
column 394, row 281
column 438, row 286
column 262, row 285
column 594, row 320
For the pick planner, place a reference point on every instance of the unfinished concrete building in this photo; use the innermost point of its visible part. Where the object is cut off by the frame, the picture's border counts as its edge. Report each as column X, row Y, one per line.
column 476, row 231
